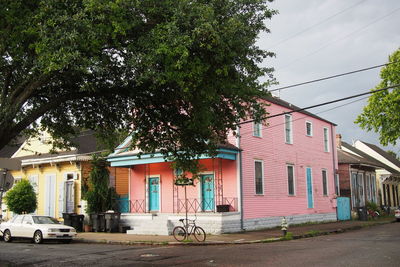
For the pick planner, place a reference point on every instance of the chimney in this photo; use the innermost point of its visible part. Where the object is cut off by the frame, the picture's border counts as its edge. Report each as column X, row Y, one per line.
column 338, row 140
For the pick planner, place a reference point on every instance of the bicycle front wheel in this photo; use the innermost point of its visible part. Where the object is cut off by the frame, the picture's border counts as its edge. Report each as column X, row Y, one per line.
column 179, row 233
column 199, row 234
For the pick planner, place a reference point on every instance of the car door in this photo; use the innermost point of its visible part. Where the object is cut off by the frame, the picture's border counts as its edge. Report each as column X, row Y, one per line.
column 15, row 226
column 27, row 227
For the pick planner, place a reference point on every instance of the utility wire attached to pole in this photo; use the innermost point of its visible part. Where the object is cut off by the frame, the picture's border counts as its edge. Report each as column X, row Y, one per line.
column 323, row 104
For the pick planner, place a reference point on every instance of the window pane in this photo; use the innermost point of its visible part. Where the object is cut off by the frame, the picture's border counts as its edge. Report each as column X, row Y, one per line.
column 258, row 177
column 257, row 129
column 324, row 183
column 308, row 128
column 326, row 145
column 288, row 129
column 290, row 180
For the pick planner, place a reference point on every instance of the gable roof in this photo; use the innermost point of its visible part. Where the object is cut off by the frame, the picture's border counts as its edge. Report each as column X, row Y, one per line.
column 283, row 103
column 383, row 153
column 363, row 158
column 10, row 149
column 85, row 143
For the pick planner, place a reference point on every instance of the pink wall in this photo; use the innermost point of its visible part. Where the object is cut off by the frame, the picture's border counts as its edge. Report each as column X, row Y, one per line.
column 164, row 171
column 305, row 152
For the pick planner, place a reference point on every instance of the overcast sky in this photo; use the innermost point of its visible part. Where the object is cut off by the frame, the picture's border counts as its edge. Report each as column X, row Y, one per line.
column 318, row 38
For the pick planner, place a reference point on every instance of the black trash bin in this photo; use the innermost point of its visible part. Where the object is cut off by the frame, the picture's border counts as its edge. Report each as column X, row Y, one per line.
column 112, row 221
column 68, row 218
column 77, row 222
column 98, row 222
column 362, row 213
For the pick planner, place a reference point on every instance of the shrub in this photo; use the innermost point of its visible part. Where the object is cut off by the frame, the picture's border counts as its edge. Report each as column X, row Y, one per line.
column 21, row 198
column 99, row 196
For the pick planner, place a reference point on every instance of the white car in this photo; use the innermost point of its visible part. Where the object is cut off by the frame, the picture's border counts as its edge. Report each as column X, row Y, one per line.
column 36, row 228
column 397, row 214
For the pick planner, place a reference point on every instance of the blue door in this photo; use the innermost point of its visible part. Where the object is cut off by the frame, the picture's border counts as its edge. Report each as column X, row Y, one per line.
column 154, row 194
column 207, row 192
column 310, row 200
column 343, row 208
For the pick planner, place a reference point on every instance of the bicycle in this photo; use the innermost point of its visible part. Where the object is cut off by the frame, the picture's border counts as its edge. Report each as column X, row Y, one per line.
column 189, row 228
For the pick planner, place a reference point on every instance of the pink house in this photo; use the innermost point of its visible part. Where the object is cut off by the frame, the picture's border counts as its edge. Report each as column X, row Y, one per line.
column 286, row 168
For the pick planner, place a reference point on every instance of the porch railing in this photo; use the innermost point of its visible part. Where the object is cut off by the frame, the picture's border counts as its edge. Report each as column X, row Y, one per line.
column 193, row 205
column 207, row 205
column 131, row 206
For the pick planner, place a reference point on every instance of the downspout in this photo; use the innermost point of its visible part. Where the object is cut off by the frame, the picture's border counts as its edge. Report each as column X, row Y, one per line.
column 335, row 181
column 240, row 178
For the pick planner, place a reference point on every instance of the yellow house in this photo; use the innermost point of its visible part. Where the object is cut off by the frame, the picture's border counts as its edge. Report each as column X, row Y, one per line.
column 56, row 178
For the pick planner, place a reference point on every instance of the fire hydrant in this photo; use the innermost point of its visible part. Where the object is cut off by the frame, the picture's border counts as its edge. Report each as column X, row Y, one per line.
column 284, row 226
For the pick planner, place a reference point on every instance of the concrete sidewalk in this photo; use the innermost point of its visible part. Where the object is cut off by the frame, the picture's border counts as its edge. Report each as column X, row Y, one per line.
column 246, row 237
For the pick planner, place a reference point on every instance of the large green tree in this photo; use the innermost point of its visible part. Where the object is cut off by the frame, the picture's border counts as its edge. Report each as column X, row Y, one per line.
column 382, row 113
column 179, row 74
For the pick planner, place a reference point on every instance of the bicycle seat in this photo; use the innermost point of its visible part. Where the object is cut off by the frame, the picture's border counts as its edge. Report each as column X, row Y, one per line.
column 181, row 220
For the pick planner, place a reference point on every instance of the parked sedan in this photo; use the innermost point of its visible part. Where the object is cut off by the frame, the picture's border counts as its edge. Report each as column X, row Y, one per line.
column 397, row 214
column 36, row 228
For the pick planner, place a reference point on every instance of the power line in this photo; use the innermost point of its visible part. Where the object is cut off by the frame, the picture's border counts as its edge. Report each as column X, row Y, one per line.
column 279, row 124
column 342, row 38
column 333, row 76
column 322, row 104
column 314, row 25
column 301, row 109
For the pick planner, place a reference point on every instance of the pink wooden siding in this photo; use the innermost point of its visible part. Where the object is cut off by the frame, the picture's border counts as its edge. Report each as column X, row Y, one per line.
column 164, row 171
column 305, row 152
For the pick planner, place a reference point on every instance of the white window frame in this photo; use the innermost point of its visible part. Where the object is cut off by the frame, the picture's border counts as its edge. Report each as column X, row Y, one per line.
column 294, row 179
column 337, row 185
column 74, row 176
column 17, row 179
column 326, row 139
column 257, row 129
column 262, row 177
column 290, row 128
column 311, row 128
column 326, row 182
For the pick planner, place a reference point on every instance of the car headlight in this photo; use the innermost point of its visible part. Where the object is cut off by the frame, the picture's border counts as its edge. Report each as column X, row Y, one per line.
column 52, row 230
column 73, row 230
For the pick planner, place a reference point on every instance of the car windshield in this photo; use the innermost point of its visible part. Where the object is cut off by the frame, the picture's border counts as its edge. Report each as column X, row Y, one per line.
column 44, row 220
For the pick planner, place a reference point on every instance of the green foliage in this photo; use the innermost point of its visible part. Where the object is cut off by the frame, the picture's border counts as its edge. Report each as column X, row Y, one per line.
column 313, row 233
column 98, row 195
column 288, row 236
column 180, row 73
column 372, row 206
column 382, row 113
column 21, row 198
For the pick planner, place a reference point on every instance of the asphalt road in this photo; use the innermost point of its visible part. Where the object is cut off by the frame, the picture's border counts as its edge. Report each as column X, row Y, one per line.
column 374, row 246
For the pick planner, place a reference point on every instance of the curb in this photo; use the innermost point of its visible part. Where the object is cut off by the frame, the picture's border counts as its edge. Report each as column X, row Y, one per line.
column 218, row 243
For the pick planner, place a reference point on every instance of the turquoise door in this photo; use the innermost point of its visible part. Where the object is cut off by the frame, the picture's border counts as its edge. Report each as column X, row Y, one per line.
column 207, row 192
column 154, row 194
column 343, row 208
column 310, row 200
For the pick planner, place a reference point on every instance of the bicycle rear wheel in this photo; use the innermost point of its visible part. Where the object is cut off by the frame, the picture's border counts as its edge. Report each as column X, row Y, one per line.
column 179, row 233
column 199, row 234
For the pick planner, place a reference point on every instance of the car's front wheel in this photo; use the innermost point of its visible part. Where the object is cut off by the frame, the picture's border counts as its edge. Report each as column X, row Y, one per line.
column 38, row 237
column 7, row 236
